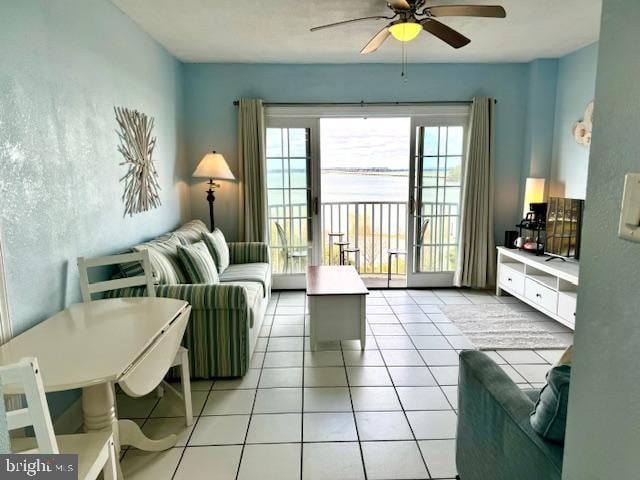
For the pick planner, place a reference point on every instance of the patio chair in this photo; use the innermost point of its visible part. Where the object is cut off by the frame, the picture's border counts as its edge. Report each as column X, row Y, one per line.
column 286, row 251
column 398, row 252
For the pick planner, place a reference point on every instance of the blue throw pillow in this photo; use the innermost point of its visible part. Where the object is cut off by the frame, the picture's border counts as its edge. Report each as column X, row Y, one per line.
column 549, row 416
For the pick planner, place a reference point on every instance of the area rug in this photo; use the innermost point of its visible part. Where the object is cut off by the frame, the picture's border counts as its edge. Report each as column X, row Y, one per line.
column 500, row 327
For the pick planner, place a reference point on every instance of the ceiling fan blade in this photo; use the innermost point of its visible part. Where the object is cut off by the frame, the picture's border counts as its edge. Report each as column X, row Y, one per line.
column 444, row 33
column 337, row 24
column 493, row 11
column 376, row 41
column 399, row 4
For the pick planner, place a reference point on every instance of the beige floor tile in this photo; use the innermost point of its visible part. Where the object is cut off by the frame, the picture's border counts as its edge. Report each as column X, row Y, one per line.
column 393, row 460
column 209, row 463
column 220, row 430
column 270, row 462
column 345, row 462
column 139, row 465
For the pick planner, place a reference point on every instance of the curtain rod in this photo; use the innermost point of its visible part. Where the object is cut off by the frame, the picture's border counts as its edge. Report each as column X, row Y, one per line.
column 362, row 104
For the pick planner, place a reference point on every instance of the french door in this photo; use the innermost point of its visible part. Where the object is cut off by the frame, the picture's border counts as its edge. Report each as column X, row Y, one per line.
column 425, row 223
column 291, row 152
column 436, row 173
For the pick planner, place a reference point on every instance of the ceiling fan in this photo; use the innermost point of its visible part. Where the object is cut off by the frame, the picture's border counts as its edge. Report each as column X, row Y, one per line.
column 410, row 17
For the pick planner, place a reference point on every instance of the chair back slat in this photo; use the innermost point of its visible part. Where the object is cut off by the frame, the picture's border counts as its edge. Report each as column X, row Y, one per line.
column 26, row 375
column 87, row 288
column 108, row 285
column 19, row 419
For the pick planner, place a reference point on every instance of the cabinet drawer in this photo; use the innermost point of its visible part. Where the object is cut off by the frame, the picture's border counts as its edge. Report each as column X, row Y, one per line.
column 567, row 307
column 512, row 280
column 540, row 295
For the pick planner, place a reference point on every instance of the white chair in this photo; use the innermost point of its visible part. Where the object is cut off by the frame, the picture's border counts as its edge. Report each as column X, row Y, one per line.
column 96, row 451
column 182, row 356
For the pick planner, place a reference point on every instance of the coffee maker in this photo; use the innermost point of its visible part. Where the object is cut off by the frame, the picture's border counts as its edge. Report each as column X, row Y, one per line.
column 532, row 229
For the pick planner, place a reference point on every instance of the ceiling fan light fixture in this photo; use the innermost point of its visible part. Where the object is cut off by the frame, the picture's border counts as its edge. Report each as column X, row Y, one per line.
column 405, row 31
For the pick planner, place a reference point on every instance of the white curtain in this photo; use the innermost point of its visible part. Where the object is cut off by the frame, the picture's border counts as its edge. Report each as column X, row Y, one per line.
column 476, row 266
column 251, row 157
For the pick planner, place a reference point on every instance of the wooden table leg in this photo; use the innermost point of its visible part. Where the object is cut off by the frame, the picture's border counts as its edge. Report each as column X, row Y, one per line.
column 131, row 434
column 99, row 412
column 98, row 407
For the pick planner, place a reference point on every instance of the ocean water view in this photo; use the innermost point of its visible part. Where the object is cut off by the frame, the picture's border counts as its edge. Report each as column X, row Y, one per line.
column 362, row 187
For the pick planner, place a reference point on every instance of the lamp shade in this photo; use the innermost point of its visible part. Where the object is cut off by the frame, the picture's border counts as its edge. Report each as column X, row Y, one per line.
column 213, row 165
column 533, row 192
column 406, row 31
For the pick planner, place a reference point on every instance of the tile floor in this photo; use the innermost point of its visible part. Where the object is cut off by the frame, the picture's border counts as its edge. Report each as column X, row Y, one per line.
column 386, row 413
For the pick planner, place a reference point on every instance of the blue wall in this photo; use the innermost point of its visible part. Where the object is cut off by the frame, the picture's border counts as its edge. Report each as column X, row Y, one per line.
column 64, row 65
column 603, row 430
column 541, row 98
column 576, row 88
column 210, row 115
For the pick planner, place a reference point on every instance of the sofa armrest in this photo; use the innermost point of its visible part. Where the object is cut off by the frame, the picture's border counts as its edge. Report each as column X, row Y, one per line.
column 248, row 252
column 495, row 439
column 199, row 296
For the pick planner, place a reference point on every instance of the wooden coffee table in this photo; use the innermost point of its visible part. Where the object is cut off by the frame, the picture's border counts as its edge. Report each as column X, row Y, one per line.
column 337, row 304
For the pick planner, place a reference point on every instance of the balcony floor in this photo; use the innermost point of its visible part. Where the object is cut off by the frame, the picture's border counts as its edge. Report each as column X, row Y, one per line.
column 380, row 281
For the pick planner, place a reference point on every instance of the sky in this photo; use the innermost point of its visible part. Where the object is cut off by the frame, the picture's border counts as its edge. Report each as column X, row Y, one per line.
column 365, row 142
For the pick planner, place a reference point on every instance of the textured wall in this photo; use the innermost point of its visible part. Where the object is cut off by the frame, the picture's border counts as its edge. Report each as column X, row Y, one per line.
column 576, row 87
column 212, row 120
column 64, row 65
column 603, row 437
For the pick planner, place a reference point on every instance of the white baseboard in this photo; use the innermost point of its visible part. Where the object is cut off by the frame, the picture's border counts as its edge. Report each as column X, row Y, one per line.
column 70, row 421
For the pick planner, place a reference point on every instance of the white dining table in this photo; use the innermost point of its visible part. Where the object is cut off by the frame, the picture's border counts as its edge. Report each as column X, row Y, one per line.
column 95, row 345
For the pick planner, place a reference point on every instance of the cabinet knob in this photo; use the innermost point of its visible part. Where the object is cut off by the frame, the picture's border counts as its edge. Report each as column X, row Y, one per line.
column 538, row 295
column 509, row 280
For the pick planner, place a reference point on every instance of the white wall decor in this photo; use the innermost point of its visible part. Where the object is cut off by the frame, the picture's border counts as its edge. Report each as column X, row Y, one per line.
column 136, row 146
column 582, row 129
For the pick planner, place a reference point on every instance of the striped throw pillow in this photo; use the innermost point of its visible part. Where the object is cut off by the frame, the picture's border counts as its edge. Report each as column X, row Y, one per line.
column 218, row 247
column 198, row 263
column 167, row 269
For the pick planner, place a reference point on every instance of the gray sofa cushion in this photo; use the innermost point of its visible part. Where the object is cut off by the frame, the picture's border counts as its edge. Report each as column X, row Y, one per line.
column 549, row 416
column 248, row 272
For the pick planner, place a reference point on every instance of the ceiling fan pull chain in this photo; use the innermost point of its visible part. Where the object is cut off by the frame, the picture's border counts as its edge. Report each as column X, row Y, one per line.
column 403, row 75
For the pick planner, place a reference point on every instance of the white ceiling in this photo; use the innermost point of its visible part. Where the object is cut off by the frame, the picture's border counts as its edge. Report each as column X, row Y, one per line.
column 277, row 31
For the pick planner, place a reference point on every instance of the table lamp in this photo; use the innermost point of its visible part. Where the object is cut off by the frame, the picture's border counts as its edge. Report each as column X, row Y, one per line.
column 214, row 167
column 533, row 193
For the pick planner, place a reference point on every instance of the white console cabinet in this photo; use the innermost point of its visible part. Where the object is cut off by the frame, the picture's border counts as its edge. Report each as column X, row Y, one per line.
column 549, row 286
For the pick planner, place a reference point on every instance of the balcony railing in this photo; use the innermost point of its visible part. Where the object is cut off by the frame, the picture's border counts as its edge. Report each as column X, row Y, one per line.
column 373, row 227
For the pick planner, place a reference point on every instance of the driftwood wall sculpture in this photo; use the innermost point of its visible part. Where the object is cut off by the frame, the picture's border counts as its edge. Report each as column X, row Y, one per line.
column 136, row 146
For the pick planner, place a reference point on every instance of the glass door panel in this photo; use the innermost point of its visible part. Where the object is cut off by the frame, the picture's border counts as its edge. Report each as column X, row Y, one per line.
column 290, row 193
column 289, row 198
column 435, row 199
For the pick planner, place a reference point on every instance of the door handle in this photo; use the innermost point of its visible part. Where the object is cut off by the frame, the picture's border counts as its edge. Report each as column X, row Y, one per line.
column 315, row 205
column 412, row 205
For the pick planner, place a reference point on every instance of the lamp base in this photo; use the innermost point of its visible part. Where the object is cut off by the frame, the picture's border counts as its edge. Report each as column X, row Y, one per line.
column 211, row 198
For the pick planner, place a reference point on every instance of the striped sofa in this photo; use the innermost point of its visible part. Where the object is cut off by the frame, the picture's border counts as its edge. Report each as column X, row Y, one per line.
column 226, row 317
